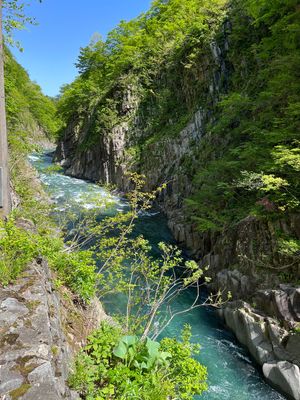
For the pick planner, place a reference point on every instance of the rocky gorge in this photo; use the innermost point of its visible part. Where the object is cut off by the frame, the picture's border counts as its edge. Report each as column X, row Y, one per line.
column 142, row 134
column 237, row 258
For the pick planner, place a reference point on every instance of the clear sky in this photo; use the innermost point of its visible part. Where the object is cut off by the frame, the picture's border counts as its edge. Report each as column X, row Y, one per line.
column 52, row 47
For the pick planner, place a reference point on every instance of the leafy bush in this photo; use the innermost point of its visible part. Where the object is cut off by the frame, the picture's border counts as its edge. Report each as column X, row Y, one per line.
column 19, row 246
column 77, row 269
column 113, row 366
column 17, row 249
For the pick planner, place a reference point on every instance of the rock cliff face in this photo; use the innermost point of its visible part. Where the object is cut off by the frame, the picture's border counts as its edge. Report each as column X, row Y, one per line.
column 272, row 346
column 107, row 157
column 249, row 247
column 38, row 338
column 104, row 160
column 243, row 258
column 99, row 163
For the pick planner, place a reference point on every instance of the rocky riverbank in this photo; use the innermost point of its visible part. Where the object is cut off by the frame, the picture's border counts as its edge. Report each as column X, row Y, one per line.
column 270, row 339
column 206, row 125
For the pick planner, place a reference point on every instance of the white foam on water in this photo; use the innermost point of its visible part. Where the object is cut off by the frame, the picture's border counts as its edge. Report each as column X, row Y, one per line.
column 219, row 390
column 232, row 376
column 90, row 206
column 148, row 213
column 34, row 157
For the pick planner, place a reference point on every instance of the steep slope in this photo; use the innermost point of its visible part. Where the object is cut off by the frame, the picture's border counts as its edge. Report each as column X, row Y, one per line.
column 41, row 325
column 27, row 107
column 32, row 123
column 204, row 96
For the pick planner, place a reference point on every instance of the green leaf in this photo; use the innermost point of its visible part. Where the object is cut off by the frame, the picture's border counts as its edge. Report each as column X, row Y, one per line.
column 120, row 350
column 153, row 348
column 129, row 340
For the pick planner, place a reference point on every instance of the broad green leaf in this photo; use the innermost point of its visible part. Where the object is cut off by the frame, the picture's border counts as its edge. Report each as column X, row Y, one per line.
column 129, row 340
column 120, row 350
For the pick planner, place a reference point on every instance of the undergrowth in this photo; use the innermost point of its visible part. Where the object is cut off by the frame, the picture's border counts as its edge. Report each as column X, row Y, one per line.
column 114, row 366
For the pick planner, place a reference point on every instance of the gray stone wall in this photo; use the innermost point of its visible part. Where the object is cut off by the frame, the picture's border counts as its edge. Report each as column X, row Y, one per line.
column 36, row 350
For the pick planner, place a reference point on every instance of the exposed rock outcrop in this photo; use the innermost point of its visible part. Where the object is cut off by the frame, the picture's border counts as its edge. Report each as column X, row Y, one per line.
column 104, row 161
column 38, row 337
column 282, row 303
column 244, row 258
column 285, row 376
column 273, row 347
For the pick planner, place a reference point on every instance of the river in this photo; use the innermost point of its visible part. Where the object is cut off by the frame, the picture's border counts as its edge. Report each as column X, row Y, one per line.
column 232, row 375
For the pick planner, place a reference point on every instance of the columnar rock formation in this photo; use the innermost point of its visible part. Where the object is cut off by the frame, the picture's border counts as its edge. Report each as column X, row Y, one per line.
column 243, row 257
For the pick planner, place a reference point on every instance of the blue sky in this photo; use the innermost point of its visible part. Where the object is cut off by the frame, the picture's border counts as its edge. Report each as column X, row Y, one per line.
column 52, row 47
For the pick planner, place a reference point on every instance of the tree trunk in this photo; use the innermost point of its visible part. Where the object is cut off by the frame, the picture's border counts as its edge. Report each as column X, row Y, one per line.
column 5, row 203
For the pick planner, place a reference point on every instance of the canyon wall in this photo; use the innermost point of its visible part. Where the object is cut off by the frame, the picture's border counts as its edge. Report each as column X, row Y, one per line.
column 207, row 113
column 248, row 246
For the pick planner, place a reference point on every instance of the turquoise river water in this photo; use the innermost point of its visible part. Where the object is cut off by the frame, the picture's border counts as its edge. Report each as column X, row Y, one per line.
column 232, row 373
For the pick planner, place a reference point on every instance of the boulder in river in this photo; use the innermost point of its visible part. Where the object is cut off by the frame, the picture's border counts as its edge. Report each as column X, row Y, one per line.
column 276, row 349
column 285, row 376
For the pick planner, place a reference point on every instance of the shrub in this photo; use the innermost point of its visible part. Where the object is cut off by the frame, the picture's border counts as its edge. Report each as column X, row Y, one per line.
column 17, row 249
column 77, row 270
column 20, row 246
column 113, row 366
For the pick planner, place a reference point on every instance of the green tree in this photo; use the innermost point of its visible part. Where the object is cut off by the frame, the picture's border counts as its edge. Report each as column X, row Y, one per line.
column 5, row 202
column 148, row 285
column 14, row 18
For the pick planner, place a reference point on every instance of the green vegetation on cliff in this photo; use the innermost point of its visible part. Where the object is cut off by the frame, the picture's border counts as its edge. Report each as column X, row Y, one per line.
column 31, row 122
column 250, row 162
column 26, row 106
column 114, row 366
column 29, row 231
column 235, row 61
column 155, row 56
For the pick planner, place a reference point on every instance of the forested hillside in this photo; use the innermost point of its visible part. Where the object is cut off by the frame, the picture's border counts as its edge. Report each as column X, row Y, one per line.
column 30, row 232
column 32, row 125
column 203, row 95
column 31, row 120
column 26, row 105
column 191, row 108
column 251, row 163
